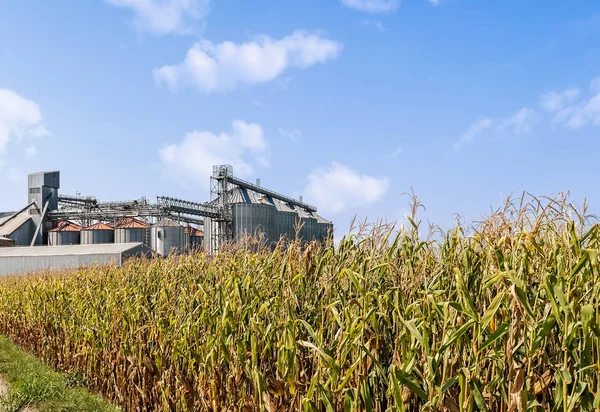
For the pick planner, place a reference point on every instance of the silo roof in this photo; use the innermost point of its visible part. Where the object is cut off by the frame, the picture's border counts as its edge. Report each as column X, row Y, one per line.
column 98, row 226
column 130, row 223
column 168, row 222
column 66, row 226
column 321, row 219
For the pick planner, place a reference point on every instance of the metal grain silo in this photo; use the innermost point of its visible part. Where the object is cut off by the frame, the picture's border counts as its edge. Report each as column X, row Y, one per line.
column 96, row 234
column 254, row 219
column 309, row 230
column 168, row 236
column 286, row 220
column 325, row 228
column 131, row 231
column 65, row 233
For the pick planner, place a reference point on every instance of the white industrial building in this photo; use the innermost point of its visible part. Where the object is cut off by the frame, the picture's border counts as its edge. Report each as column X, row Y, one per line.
column 31, row 259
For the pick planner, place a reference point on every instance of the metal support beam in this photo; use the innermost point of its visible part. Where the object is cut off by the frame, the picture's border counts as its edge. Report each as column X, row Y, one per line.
column 39, row 226
column 259, row 189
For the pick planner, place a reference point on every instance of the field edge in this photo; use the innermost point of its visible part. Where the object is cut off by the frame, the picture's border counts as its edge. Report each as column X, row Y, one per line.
column 32, row 383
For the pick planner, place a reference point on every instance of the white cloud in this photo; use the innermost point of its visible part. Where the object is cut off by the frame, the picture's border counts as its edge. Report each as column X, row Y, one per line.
column 373, row 6
column 193, row 158
column 211, row 67
column 479, row 126
column 337, row 188
column 554, row 101
column 521, row 122
column 292, row 134
column 376, row 24
column 572, row 112
column 164, row 16
column 19, row 118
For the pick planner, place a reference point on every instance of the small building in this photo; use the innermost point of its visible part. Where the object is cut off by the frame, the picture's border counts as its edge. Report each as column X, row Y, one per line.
column 23, row 260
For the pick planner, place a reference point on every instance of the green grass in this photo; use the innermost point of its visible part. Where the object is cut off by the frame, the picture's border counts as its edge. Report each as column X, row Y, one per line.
column 34, row 384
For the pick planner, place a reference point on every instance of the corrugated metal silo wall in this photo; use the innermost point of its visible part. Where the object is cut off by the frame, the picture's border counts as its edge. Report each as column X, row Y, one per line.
column 285, row 225
column 254, row 219
column 131, row 235
column 310, row 229
column 325, row 231
column 95, row 237
column 168, row 239
column 208, row 234
column 64, row 238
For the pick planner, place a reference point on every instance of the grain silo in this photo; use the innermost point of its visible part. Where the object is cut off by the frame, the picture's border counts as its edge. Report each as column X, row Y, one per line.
column 168, row 236
column 65, row 233
column 97, row 234
column 131, row 230
column 253, row 215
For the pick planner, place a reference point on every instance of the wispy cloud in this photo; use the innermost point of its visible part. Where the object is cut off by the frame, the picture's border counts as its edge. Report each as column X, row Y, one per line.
column 396, row 152
column 376, row 24
column 518, row 123
column 292, row 134
column 571, row 110
column 162, row 17
column 554, row 101
column 473, row 131
column 372, row 6
column 210, row 67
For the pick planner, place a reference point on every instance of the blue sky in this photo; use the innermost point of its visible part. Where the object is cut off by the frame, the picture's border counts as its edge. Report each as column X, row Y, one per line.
column 349, row 103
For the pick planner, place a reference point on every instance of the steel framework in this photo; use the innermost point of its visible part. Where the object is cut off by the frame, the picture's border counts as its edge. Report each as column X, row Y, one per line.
column 220, row 191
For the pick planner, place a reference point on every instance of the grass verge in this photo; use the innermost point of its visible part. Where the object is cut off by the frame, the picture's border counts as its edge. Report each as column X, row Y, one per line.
column 34, row 384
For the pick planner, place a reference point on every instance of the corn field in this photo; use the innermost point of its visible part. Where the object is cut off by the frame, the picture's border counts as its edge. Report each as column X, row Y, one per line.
column 501, row 317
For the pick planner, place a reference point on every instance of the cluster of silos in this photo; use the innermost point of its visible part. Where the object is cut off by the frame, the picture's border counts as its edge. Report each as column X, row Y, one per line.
column 65, row 233
column 256, row 214
column 165, row 237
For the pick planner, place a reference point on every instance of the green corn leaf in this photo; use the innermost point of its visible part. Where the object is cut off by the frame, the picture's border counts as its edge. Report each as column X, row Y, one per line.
column 411, row 383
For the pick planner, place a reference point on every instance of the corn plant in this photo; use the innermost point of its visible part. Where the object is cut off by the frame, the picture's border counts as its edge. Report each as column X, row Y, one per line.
column 502, row 316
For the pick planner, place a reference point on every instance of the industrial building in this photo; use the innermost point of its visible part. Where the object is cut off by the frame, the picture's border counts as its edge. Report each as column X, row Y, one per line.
column 236, row 209
column 29, row 259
